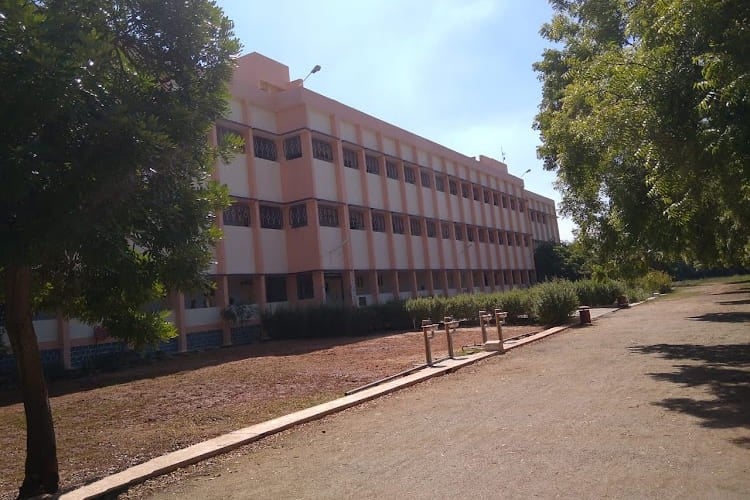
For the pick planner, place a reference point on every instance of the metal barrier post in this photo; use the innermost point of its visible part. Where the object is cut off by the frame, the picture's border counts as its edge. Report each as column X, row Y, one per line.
column 499, row 318
column 428, row 326
column 483, row 325
column 449, row 323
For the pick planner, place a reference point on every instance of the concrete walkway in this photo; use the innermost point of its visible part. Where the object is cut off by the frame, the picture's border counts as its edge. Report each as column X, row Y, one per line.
column 223, row 444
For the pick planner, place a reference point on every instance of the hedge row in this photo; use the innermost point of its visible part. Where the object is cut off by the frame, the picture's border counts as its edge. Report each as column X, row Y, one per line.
column 547, row 303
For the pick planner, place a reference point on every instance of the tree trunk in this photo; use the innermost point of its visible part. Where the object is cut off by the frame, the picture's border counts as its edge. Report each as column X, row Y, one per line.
column 41, row 474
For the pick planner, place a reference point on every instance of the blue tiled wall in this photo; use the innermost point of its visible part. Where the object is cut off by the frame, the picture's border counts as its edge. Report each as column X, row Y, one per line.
column 79, row 354
column 245, row 335
column 170, row 346
column 204, row 340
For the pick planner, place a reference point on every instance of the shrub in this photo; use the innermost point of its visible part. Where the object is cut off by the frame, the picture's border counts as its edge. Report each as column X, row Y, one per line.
column 655, row 281
column 601, row 292
column 516, row 303
column 554, row 301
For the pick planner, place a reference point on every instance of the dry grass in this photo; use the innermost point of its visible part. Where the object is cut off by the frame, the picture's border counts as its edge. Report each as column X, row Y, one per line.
column 109, row 422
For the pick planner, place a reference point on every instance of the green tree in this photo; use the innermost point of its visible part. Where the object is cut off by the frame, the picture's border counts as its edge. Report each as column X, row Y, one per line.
column 106, row 199
column 564, row 260
column 645, row 117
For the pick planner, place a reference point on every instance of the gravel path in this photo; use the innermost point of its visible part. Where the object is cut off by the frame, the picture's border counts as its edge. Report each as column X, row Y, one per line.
column 650, row 402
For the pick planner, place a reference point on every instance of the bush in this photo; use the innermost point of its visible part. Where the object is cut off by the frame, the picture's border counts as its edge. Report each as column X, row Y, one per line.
column 655, row 281
column 601, row 292
column 554, row 301
column 517, row 303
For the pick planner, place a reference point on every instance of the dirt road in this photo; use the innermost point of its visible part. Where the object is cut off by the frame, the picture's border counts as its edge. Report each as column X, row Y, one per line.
column 650, row 402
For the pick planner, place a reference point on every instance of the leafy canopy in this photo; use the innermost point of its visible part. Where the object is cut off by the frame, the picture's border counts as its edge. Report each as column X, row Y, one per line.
column 645, row 117
column 105, row 186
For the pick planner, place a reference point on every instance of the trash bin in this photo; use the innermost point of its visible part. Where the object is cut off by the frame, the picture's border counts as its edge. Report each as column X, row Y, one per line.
column 585, row 315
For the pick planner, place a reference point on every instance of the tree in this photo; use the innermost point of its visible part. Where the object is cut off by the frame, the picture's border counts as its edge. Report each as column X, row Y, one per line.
column 644, row 117
column 564, row 260
column 106, row 199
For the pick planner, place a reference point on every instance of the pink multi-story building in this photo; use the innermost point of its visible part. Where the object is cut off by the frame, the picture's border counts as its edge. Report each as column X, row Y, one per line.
column 331, row 205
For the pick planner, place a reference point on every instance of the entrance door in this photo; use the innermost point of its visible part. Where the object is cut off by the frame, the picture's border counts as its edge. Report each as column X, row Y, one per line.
column 334, row 289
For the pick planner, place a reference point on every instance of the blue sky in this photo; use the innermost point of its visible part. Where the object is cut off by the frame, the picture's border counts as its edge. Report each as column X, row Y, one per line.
column 457, row 72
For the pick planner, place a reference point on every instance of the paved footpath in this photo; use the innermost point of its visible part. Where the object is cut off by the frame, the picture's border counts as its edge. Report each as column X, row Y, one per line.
column 650, row 402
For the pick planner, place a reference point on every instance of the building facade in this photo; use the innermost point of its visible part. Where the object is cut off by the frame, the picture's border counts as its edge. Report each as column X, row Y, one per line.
column 331, row 205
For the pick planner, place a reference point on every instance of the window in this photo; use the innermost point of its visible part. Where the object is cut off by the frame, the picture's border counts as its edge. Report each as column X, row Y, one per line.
column 298, row 215
column 378, row 223
column 482, row 235
column 425, row 178
column 509, row 238
column 505, row 201
column 491, row 235
column 391, row 169
column 440, row 183
column 351, row 159
column 397, row 222
column 276, row 289
column 322, row 150
column 328, row 216
column 431, row 229
column 525, row 240
column 356, row 219
column 470, row 233
column 475, row 192
column 292, row 147
column 495, row 199
column 445, row 230
column 305, row 289
column 520, row 205
column 264, row 148
column 459, row 230
column 518, row 239
column 450, row 278
column 359, row 283
column 512, row 203
column 237, row 214
column 544, row 218
column 416, row 227
column 372, row 165
column 532, row 215
column 486, row 196
column 500, row 239
column 453, row 187
column 381, row 280
column 224, row 134
column 409, row 175
column 465, row 190
column 271, row 217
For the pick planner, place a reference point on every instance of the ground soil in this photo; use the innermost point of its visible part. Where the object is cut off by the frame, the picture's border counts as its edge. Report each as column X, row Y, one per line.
column 108, row 422
column 650, row 402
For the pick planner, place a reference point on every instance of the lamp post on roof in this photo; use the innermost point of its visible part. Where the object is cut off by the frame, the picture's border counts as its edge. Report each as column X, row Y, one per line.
column 315, row 69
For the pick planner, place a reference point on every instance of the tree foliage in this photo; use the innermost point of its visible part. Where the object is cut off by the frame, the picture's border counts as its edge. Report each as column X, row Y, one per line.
column 645, row 117
column 106, row 199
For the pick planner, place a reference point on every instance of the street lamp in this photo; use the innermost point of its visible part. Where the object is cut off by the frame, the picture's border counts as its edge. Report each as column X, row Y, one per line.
column 314, row 70
column 527, row 171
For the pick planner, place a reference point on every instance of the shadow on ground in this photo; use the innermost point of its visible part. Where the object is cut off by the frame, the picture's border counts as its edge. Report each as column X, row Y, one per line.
column 734, row 292
column 724, row 317
column 724, row 370
column 740, row 302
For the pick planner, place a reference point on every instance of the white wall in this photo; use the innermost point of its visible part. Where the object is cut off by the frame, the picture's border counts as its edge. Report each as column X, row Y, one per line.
column 263, row 119
column 325, row 179
column 273, row 242
column 202, row 316
column 380, row 246
column 238, row 247
column 332, row 247
column 80, row 330
column 319, row 121
column 369, row 139
column 360, row 258
column 46, row 330
column 394, row 195
column 401, row 250
column 348, row 132
column 412, row 202
column 268, row 180
column 375, row 191
column 389, row 146
column 234, row 175
column 353, row 185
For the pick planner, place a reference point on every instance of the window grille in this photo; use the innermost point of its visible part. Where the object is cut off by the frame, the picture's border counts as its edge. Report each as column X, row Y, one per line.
column 475, row 192
column 264, row 148
column 292, row 147
column 470, row 233
column 224, row 133
column 440, row 183
column 486, row 196
column 237, row 214
column 431, row 229
column 495, row 200
column 328, row 216
column 409, row 175
column 351, row 158
column 356, row 219
column 378, row 223
column 298, row 215
column 322, row 150
column 397, row 222
column 271, row 217
column 465, row 190
column 445, row 230
column 459, row 230
column 453, row 186
column 372, row 165
column 415, row 226
column 425, row 178
column 391, row 169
